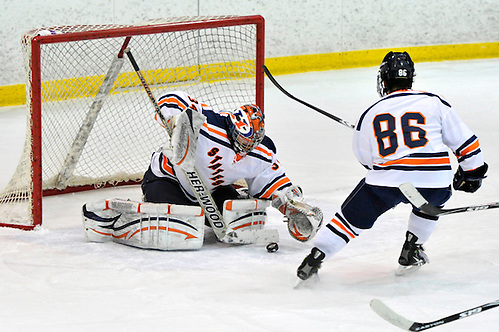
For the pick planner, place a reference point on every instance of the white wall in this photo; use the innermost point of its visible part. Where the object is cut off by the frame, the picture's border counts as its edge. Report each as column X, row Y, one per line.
column 292, row 27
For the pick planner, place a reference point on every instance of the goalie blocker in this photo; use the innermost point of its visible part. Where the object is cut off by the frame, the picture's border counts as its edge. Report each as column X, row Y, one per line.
column 164, row 226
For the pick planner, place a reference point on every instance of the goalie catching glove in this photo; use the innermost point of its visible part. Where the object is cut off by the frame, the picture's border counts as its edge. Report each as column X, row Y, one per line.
column 303, row 219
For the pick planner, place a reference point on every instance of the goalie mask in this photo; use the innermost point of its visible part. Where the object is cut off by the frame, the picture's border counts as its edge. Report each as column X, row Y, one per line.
column 246, row 128
column 396, row 72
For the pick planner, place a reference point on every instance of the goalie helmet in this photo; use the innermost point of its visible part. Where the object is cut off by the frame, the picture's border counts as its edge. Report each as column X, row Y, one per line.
column 396, row 72
column 246, row 128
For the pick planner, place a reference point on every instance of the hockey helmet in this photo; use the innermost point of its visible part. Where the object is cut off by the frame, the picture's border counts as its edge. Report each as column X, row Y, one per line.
column 246, row 128
column 396, row 72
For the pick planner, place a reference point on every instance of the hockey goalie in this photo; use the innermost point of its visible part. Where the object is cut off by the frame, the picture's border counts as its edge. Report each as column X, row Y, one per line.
column 222, row 147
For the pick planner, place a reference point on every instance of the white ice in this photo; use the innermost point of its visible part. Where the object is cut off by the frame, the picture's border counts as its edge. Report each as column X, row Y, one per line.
column 53, row 280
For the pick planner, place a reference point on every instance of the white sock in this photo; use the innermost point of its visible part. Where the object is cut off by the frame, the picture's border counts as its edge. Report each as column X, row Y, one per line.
column 421, row 227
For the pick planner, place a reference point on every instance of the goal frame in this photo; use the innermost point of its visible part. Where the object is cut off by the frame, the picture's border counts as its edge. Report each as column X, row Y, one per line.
column 36, row 89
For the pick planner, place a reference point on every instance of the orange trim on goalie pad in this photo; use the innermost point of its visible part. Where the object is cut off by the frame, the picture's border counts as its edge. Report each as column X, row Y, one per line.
column 161, row 228
column 101, row 233
column 229, row 204
column 186, row 151
column 249, row 224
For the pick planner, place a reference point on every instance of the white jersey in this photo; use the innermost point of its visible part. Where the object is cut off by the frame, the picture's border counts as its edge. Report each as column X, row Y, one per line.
column 406, row 136
column 216, row 162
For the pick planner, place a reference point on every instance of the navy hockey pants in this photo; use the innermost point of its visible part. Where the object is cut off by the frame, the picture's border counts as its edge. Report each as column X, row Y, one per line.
column 367, row 202
column 164, row 190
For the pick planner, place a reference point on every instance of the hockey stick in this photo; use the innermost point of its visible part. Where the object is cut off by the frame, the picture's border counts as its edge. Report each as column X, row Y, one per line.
column 329, row 115
column 416, row 199
column 405, row 324
column 199, row 188
column 81, row 138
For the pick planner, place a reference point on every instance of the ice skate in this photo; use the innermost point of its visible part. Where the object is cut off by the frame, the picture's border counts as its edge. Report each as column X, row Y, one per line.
column 310, row 266
column 412, row 256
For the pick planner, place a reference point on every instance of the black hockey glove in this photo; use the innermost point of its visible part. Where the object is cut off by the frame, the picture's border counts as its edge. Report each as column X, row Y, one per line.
column 469, row 181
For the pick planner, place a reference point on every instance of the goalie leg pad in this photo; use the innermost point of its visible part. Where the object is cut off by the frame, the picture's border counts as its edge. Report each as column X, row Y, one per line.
column 246, row 220
column 144, row 225
column 245, row 214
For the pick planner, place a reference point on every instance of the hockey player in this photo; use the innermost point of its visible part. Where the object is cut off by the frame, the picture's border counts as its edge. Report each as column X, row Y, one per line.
column 403, row 137
column 227, row 146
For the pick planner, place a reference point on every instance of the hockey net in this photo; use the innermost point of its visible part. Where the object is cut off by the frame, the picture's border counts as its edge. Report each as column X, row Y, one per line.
column 90, row 124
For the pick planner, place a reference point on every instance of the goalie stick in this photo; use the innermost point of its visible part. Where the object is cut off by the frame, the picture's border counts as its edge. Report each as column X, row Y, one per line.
column 416, row 199
column 406, row 324
column 329, row 115
column 82, row 137
column 200, row 190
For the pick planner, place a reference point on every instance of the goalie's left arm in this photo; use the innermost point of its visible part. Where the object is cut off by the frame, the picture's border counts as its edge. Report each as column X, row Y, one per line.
column 303, row 219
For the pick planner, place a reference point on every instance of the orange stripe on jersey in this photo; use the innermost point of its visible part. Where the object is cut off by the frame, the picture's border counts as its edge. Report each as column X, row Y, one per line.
column 275, row 186
column 215, row 131
column 167, row 167
column 172, row 100
column 470, row 148
column 263, row 151
column 417, row 161
column 343, row 228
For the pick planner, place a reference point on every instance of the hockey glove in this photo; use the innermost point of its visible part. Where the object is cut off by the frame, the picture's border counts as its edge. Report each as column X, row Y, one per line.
column 303, row 219
column 183, row 142
column 469, row 181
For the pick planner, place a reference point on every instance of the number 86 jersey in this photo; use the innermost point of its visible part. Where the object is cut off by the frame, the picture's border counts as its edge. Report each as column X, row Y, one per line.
column 406, row 137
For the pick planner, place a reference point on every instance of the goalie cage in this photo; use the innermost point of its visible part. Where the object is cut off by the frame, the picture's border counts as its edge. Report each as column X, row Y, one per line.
column 90, row 123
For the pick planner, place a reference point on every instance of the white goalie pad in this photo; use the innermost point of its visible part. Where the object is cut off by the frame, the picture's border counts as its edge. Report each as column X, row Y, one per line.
column 183, row 142
column 144, row 225
column 245, row 219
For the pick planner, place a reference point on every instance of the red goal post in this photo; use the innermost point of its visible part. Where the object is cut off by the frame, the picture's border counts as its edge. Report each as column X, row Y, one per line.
column 90, row 123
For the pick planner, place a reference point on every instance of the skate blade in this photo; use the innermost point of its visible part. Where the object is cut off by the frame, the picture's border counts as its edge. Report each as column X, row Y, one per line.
column 312, row 280
column 406, row 270
column 298, row 283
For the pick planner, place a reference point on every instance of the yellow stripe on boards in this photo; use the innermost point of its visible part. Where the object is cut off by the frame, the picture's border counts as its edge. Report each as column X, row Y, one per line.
column 12, row 95
column 368, row 58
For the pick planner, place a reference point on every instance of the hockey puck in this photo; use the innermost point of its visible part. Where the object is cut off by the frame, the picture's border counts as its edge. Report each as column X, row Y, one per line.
column 272, row 247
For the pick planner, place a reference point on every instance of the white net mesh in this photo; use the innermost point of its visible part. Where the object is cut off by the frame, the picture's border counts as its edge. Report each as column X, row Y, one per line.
column 216, row 65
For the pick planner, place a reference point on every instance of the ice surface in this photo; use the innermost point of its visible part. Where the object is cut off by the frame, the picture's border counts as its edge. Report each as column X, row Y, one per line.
column 53, row 280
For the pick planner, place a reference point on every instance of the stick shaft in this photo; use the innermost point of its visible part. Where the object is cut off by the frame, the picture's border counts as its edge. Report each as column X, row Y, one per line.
column 315, row 108
column 199, row 188
column 416, row 199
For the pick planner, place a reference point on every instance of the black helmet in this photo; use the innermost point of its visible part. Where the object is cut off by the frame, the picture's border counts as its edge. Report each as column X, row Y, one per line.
column 396, row 72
